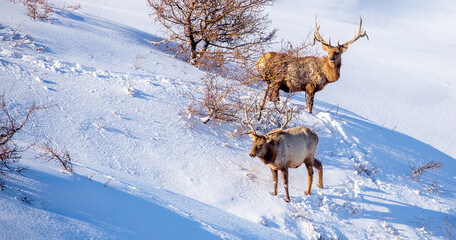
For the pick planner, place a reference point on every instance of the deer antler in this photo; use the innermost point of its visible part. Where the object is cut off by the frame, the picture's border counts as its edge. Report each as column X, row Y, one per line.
column 247, row 118
column 283, row 125
column 317, row 36
column 358, row 35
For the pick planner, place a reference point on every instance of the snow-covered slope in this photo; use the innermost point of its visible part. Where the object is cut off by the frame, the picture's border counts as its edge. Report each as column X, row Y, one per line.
column 141, row 173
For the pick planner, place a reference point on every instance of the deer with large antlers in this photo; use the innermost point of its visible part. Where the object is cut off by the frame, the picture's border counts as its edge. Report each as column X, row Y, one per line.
column 310, row 74
column 281, row 149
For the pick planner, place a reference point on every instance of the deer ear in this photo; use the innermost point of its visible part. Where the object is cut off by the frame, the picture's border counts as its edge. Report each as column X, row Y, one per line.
column 325, row 47
column 270, row 139
column 343, row 48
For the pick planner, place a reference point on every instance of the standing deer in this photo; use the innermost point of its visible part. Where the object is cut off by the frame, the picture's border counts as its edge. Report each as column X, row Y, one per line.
column 310, row 74
column 282, row 149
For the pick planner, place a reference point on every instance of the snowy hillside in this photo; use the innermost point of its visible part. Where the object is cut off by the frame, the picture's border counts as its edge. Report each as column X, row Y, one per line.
column 141, row 173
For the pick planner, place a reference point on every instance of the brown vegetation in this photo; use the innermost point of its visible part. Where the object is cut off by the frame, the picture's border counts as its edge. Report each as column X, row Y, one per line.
column 449, row 228
column 9, row 151
column 61, row 156
column 210, row 32
column 214, row 100
column 38, row 9
column 418, row 170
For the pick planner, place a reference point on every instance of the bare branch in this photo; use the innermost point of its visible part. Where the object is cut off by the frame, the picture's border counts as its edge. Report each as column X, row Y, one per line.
column 63, row 157
column 418, row 170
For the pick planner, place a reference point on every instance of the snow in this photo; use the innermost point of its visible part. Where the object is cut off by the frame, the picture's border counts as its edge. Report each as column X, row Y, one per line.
column 140, row 172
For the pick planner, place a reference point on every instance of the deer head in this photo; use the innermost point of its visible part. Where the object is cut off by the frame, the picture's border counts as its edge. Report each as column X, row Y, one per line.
column 335, row 52
column 264, row 145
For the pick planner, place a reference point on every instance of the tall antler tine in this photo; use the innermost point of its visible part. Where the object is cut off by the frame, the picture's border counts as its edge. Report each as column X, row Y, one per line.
column 360, row 23
column 361, row 33
column 287, row 120
column 362, row 29
column 317, row 35
column 247, row 118
column 288, row 117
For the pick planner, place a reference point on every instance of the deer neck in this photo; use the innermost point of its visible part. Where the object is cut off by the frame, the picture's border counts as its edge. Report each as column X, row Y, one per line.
column 331, row 71
column 270, row 155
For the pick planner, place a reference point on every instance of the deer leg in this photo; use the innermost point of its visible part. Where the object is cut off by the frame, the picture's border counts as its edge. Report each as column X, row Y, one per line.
column 274, row 178
column 264, row 98
column 319, row 167
column 310, row 177
column 264, row 101
column 310, row 92
column 285, row 183
column 274, row 88
column 311, row 103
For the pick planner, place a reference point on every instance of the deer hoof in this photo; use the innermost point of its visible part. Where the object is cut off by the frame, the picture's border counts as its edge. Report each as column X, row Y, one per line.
column 287, row 200
column 320, row 185
column 307, row 193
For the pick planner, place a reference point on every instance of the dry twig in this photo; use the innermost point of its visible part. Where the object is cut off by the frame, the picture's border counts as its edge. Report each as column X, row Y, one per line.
column 418, row 170
column 63, row 157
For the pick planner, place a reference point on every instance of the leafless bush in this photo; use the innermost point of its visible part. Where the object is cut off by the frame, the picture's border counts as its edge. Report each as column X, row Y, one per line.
column 9, row 126
column 418, row 170
column 214, row 100
column 449, row 228
column 38, row 9
column 214, row 31
column 62, row 156
column 434, row 187
column 17, row 39
column 130, row 90
column 423, row 223
column 74, row 7
column 363, row 168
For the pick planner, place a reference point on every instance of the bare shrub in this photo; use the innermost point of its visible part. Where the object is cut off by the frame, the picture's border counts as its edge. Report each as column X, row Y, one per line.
column 62, row 156
column 214, row 100
column 9, row 151
column 38, row 9
column 449, row 228
column 130, row 90
column 25, row 199
column 363, row 168
column 418, row 170
column 74, row 7
column 214, row 31
column 434, row 187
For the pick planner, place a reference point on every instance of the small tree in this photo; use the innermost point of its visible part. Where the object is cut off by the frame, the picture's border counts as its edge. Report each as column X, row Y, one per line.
column 214, row 30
